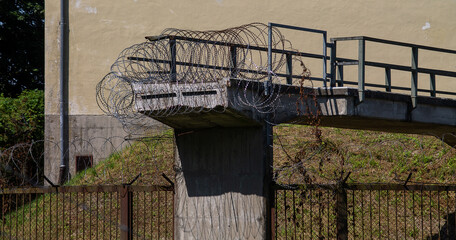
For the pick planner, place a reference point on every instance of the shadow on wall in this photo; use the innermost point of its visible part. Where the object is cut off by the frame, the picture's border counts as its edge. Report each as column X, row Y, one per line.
column 217, row 161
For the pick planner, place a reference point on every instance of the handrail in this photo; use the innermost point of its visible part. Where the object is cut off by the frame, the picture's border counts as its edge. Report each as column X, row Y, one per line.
column 348, row 61
column 289, row 75
column 219, row 43
column 324, row 56
column 338, row 63
column 391, row 42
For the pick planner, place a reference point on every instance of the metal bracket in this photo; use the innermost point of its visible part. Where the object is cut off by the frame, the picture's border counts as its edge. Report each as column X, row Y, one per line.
column 346, row 178
column 132, row 181
column 407, row 180
column 50, row 182
column 167, row 179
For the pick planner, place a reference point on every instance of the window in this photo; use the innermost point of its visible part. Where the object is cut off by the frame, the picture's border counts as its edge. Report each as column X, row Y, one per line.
column 83, row 162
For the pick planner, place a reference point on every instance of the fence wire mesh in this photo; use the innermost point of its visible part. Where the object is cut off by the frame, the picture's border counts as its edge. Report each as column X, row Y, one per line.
column 304, row 214
column 86, row 213
column 401, row 214
column 386, row 211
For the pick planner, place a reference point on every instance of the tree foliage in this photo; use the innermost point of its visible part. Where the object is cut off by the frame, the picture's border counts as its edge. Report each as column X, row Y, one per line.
column 21, row 46
column 21, row 118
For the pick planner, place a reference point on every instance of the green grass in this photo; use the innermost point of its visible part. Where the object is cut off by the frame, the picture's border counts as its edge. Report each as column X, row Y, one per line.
column 298, row 158
column 149, row 156
column 370, row 156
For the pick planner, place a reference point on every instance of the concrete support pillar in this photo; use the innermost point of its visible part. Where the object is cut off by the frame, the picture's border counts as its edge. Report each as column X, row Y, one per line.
column 222, row 184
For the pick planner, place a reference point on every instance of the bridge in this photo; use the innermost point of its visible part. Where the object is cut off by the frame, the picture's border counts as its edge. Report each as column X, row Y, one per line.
column 222, row 98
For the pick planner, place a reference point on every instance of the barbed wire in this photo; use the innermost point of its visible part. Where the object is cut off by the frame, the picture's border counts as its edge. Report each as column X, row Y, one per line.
column 299, row 157
column 302, row 156
column 183, row 71
column 113, row 160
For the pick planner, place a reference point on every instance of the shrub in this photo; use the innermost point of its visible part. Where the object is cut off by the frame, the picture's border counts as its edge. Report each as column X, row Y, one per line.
column 21, row 118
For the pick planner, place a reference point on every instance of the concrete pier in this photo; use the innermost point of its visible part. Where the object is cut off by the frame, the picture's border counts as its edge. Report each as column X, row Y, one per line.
column 224, row 151
column 222, row 183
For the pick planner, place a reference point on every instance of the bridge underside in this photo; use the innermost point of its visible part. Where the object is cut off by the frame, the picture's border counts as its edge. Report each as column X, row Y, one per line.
column 336, row 107
column 380, row 111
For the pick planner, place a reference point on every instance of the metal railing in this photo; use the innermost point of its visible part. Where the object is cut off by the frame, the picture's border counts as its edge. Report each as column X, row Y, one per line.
column 337, row 64
column 289, row 63
column 173, row 41
column 364, row 211
column 87, row 212
column 336, row 75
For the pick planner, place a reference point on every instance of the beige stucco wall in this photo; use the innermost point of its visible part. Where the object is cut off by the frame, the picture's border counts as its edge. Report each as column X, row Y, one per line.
column 100, row 29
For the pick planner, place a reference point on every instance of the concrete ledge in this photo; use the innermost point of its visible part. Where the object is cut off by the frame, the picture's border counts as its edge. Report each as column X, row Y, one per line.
column 380, row 111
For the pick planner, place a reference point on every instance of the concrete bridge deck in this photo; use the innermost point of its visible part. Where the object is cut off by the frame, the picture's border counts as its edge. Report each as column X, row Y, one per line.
column 337, row 107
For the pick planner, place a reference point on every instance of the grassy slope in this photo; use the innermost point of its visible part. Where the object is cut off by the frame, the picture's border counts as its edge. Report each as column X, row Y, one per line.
column 298, row 157
column 150, row 157
column 76, row 212
column 369, row 156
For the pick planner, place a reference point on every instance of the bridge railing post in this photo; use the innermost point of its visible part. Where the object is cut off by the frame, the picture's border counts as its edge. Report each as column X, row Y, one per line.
column 268, row 83
column 333, row 63
column 289, row 69
column 432, row 84
column 414, row 84
column 233, row 54
column 388, row 79
column 172, row 64
column 325, row 71
column 340, row 75
column 361, row 68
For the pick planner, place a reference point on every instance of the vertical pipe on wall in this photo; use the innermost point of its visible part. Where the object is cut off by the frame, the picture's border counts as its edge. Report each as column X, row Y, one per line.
column 63, row 90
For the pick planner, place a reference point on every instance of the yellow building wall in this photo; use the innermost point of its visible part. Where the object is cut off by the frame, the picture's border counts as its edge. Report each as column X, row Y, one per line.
column 101, row 29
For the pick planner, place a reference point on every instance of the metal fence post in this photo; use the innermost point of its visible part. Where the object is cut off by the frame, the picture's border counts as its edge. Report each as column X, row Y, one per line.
column 361, row 68
column 126, row 213
column 273, row 210
column 341, row 212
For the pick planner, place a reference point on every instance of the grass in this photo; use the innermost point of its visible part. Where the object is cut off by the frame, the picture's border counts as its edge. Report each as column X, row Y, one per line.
column 369, row 156
column 75, row 214
column 298, row 158
column 150, row 157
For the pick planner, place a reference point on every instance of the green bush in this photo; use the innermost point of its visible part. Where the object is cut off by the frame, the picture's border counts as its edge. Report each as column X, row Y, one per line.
column 21, row 118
